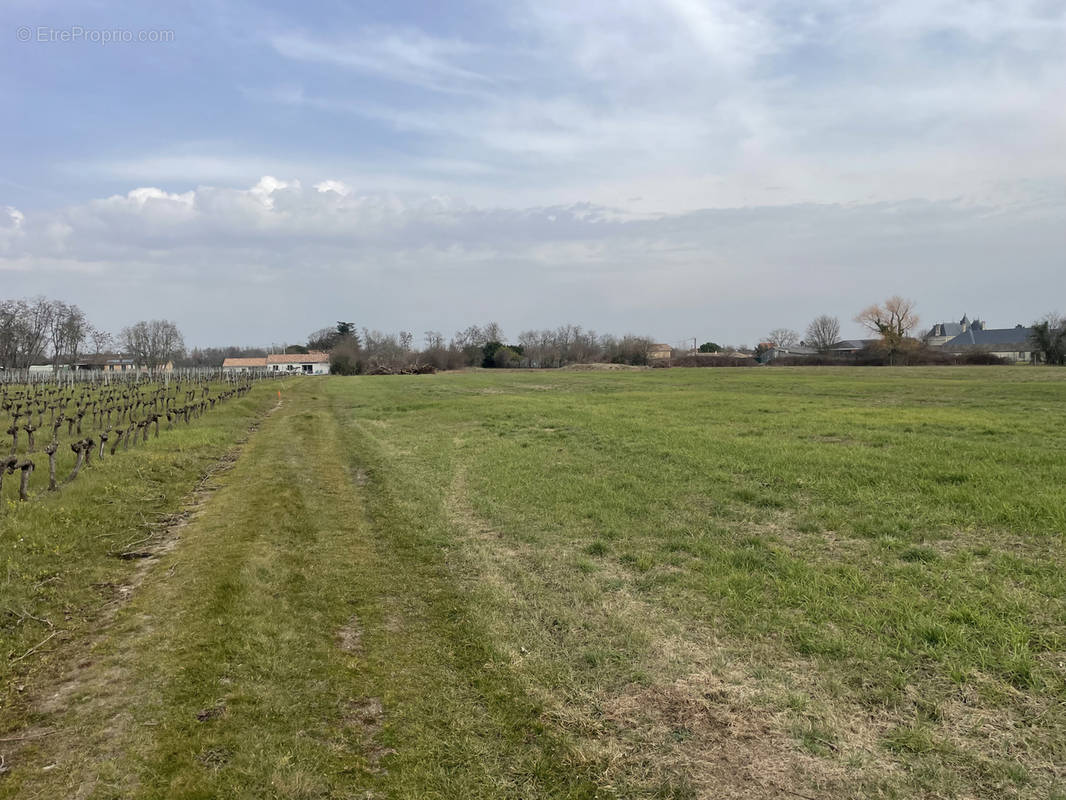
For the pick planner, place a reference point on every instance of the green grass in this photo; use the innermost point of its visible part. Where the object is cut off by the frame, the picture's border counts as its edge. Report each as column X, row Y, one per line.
column 671, row 583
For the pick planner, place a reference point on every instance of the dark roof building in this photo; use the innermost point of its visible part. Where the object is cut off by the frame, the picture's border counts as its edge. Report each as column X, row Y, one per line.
column 1012, row 344
column 772, row 351
column 943, row 332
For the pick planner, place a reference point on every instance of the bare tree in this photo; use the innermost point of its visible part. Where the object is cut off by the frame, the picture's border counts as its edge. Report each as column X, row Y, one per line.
column 25, row 330
column 783, row 337
column 152, row 344
column 9, row 333
column 892, row 321
column 39, row 313
column 823, row 333
column 68, row 330
column 101, row 340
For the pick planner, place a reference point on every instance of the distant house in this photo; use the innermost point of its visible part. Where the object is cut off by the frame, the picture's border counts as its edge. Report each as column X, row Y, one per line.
column 943, row 332
column 315, row 363
column 126, row 364
column 771, row 351
column 90, row 363
column 244, row 364
column 850, row 346
column 1011, row 344
column 660, row 351
column 85, row 363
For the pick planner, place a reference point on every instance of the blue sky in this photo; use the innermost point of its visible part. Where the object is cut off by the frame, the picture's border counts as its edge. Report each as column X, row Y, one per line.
column 677, row 168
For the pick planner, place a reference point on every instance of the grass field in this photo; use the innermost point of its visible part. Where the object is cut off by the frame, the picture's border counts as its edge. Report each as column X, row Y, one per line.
column 667, row 583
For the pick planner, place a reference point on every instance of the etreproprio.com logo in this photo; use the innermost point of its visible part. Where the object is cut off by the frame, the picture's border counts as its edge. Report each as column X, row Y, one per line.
column 77, row 33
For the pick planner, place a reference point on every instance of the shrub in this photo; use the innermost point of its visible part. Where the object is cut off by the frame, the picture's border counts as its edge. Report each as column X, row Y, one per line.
column 345, row 359
column 505, row 357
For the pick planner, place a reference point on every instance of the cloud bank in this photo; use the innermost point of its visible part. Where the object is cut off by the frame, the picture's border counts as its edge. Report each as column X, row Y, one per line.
column 277, row 259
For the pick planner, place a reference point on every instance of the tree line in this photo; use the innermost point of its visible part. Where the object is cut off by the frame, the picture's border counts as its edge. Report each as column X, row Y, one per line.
column 358, row 351
column 42, row 331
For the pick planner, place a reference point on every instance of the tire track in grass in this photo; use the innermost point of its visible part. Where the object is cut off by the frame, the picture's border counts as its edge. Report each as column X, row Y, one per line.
column 462, row 725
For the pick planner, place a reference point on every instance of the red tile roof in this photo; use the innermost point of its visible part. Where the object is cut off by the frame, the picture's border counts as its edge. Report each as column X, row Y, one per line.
column 245, row 362
column 298, row 358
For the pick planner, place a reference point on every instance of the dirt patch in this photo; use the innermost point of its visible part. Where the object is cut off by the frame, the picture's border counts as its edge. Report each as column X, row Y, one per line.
column 726, row 747
column 213, row 712
column 350, row 637
column 214, row 757
column 366, row 715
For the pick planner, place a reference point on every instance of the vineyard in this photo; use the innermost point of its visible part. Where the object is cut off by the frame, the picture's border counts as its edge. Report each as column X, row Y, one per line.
column 58, row 428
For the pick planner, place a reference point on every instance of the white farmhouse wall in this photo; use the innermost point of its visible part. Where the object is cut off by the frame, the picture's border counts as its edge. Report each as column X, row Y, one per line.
column 301, row 369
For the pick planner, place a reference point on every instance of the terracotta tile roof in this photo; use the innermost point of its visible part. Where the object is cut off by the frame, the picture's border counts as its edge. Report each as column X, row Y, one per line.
column 298, row 358
column 245, row 362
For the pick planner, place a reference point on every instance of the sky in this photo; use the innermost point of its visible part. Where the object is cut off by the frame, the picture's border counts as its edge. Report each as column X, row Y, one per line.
column 681, row 169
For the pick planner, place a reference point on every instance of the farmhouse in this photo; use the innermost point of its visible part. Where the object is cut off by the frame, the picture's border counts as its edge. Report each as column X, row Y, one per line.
column 660, row 351
column 314, row 363
column 119, row 365
column 1011, row 344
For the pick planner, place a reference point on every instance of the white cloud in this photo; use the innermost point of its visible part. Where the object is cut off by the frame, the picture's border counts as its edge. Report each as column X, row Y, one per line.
column 11, row 222
column 237, row 263
column 338, row 187
column 14, row 219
